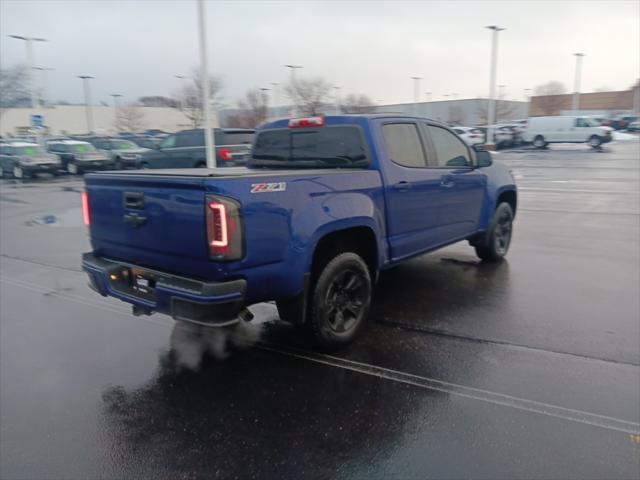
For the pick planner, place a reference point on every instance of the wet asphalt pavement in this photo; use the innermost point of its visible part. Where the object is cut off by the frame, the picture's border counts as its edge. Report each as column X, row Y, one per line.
column 527, row 369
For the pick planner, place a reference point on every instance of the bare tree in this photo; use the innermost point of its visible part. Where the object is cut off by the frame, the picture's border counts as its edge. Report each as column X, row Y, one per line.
column 189, row 98
column 310, row 94
column 158, row 101
column 253, row 110
column 14, row 87
column 504, row 110
column 130, row 119
column 549, row 98
column 456, row 115
column 354, row 103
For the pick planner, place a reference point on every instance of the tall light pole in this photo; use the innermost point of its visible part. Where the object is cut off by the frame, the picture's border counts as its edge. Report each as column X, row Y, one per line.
column 294, row 107
column 527, row 97
column 43, row 95
column 116, row 97
column 275, row 98
column 204, row 79
column 491, row 110
column 87, row 100
column 265, row 101
column 336, row 96
column 416, row 93
column 576, row 85
column 29, row 44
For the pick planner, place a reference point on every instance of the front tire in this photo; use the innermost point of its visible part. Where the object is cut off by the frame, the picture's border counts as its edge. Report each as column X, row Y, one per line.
column 340, row 301
column 496, row 244
column 595, row 141
column 72, row 168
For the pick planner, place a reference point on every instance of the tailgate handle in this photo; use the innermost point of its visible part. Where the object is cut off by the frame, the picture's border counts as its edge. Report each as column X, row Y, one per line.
column 134, row 200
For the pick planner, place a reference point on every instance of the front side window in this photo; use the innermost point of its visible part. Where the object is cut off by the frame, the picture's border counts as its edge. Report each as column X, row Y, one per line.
column 450, row 150
column 83, row 148
column 30, row 151
column 404, row 145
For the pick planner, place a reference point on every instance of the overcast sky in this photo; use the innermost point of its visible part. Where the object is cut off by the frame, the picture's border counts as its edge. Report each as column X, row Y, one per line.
column 136, row 47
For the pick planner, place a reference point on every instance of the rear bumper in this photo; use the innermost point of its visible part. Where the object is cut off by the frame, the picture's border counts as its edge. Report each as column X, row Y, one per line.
column 204, row 303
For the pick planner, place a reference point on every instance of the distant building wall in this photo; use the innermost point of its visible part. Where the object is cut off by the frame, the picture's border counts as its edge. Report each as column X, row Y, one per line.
column 611, row 102
column 71, row 119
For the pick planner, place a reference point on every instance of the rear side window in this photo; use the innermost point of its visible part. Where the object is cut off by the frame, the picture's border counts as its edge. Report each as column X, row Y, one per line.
column 450, row 150
column 236, row 138
column 190, row 139
column 404, row 145
column 323, row 147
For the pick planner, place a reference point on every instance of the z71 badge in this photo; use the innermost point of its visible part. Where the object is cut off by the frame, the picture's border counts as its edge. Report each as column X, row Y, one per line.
column 268, row 187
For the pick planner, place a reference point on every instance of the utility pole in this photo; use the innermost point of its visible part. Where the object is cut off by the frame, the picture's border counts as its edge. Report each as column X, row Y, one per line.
column 294, row 108
column 576, row 85
column 491, row 111
column 416, row 94
column 427, row 96
column 527, row 97
column 29, row 45
column 87, row 101
column 204, row 78
column 265, row 101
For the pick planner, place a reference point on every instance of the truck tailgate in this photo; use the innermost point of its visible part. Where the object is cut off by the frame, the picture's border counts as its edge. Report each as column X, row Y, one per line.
column 150, row 220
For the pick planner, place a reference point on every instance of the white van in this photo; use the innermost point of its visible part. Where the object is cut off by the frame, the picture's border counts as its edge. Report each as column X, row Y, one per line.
column 544, row 130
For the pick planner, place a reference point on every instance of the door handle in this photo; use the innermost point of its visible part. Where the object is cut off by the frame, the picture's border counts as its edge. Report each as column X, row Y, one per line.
column 446, row 181
column 402, row 186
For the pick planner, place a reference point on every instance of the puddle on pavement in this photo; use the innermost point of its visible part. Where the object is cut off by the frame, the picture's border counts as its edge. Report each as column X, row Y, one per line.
column 68, row 218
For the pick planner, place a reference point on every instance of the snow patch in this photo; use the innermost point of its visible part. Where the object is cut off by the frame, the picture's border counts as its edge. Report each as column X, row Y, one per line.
column 625, row 137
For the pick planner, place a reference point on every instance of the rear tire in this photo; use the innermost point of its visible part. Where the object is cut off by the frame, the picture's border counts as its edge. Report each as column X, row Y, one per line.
column 144, row 165
column 18, row 172
column 340, row 301
column 539, row 142
column 496, row 244
column 117, row 165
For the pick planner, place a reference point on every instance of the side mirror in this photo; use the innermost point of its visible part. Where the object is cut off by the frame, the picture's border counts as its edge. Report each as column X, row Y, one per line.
column 483, row 158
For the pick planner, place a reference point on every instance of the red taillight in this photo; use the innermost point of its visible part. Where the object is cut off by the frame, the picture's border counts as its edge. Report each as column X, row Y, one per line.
column 306, row 122
column 225, row 154
column 85, row 209
column 224, row 229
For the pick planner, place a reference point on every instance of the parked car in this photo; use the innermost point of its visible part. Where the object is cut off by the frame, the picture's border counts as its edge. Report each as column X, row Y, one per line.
column 325, row 205
column 124, row 153
column 22, row 159
column 147, row 142
column 569, row 129
column 471, row 136
column 186, row 149
column 78, row 156
column 633, row 126
column 501, row 137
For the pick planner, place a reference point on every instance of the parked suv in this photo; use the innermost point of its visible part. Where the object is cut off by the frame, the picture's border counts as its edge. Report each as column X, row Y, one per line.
column 78, row 157
column 544, row 130
column 22, row 159
column 186, row 149
column 124, row 153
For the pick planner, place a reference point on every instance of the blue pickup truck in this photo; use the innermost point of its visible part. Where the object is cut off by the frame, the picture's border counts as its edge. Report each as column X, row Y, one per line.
column 324, row 205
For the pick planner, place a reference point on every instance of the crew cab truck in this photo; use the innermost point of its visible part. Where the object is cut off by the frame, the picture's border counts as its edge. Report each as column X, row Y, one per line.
column 323, row 206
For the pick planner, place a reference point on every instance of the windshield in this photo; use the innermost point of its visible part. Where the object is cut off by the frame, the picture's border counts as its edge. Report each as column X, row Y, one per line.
column 124, row 145
column 30, row 151
column 304, row 148
column 83, row 148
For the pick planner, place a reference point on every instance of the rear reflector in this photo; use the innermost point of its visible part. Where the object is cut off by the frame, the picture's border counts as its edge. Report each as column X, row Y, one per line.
column 224, row 228
column 85, row 209
column 308, row 122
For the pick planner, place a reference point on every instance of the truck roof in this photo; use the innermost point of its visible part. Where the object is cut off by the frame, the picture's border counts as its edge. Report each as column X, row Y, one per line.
column 351, row 118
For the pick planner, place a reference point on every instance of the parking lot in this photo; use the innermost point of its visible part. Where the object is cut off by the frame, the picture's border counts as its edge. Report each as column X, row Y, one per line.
column 525, row 369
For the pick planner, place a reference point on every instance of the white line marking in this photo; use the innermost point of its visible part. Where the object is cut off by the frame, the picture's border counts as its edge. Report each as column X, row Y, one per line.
column 570, row 414
column 576, row 190
column 487, row 396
